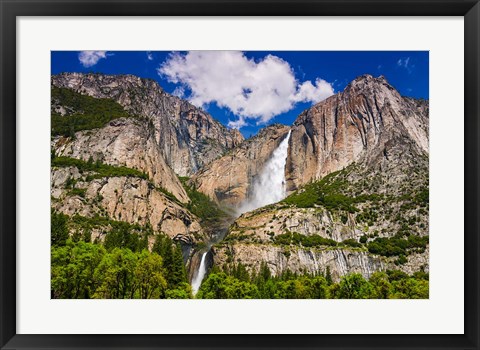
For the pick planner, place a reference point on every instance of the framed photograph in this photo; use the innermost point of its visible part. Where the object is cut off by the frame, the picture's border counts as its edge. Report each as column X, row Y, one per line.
column 215, row 174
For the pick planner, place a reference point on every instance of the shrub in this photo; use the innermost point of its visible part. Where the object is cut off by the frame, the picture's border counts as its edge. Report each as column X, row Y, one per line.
column 296, row 238
column 202, row 206
column 100, row 169
column 352, row 243
column 88, row 112
column 396, row 246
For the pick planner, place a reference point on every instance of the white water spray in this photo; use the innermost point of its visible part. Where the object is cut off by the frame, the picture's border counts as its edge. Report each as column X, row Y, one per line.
column 269, row 187
column 202, row 270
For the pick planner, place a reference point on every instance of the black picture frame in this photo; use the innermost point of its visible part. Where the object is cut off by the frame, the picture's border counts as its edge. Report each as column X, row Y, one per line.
column 9, row 10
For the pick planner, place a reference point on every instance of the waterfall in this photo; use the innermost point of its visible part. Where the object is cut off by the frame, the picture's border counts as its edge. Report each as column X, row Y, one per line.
column 202, row 270
column 269, row 187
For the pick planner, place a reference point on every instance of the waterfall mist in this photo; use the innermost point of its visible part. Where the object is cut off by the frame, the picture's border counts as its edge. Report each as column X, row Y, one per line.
column 269, row 187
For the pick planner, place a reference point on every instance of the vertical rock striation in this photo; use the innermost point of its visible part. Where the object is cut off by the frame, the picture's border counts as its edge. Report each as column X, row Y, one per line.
column 360, row 124
column 228, row 180
column 188, row 137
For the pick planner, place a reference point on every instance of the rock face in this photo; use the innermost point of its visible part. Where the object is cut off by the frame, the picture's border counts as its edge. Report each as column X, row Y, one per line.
column 252, row 239
column 128, row 199
column 373, row 145
column 356, row 171
column 314, row 261
column 128, row 142
column 360, row 124
column 187, row 137
column 298, row 260
column 228, row 179
column 262, row 224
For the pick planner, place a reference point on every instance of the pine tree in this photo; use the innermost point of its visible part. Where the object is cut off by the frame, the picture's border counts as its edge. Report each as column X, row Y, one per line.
column 178, row 273
column 328, row 276
column 59, row 231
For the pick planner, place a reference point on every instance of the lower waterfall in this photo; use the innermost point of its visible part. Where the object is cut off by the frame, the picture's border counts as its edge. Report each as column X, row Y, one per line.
column 268, row 188
column 202, row 270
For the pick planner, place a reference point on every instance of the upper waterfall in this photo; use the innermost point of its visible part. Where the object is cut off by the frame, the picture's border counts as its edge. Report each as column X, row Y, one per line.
column 269, row 187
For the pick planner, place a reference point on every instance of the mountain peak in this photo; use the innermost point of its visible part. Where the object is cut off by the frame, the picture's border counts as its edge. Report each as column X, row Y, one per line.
column 367, row 79
column 369, row 84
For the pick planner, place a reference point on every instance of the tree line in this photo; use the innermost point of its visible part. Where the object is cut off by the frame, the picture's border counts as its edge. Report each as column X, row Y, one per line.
column 235, row 282
column 121, row 267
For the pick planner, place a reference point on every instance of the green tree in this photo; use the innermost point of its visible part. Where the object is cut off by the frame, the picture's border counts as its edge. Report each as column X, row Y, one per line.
column 319, row 288
column 59, row 230
column 328, row 276
column 221, row 286
column 149, row 276
column 183, row 291
column 240, row 272
column 73, row 267
column 409, row 288
column 354, row 286
column 122, row 236
column 380, row 284
column 171, row 254
column 114, row 276
column 176, row 271
column 161, row 245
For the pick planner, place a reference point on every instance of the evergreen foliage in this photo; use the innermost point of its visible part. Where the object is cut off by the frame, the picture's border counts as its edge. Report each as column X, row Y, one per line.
column 234, row 282
column 99, row 169
column 296, row 238
column 88, row 112
column 397, row 246
column 59, row 230
column 202, row 206
column 83, row 270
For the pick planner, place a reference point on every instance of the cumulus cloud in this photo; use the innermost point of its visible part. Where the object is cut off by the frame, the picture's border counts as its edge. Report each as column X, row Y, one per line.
column 237, row 124
column 251, row 90
column 179, row 91
column 91, row 58
column 307, row 92
column 149, row 56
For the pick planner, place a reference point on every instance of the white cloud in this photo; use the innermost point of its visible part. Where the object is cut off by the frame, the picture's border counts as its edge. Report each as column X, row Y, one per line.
column 255, row 90
column 179, row 91
column 91, row 58
column 237, row 124
column 149, row 56
column 307, row 92
column 405, row 63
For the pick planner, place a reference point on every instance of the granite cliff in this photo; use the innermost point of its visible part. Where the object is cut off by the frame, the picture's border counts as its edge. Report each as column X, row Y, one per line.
column 228, row 180
column 355, row 179
column 362, row 124
column 357, row 175
column 187, row 137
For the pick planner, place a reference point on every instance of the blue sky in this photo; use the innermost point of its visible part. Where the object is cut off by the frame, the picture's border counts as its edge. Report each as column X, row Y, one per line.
column 255, row 88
